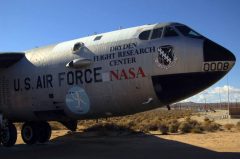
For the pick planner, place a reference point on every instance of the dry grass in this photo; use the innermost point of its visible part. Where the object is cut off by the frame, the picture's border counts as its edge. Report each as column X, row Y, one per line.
column 229, row 126
column 154, row 120
column 160, row 120
column 238, row 126
column 57, row 126
column 210, row 125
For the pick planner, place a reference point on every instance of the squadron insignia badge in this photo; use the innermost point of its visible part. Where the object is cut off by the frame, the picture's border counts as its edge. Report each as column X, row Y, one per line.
column 77, row 100
column 166, row 57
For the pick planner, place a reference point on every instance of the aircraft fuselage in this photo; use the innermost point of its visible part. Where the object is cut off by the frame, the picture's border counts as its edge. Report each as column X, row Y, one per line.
column 122, row 72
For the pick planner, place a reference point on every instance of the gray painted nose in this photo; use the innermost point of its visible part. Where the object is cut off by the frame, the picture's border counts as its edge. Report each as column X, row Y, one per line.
column 215, row 52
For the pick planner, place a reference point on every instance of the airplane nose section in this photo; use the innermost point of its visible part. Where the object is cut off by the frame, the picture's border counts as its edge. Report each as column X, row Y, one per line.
column 171, row 88
column 215, row 52
column 176, row 87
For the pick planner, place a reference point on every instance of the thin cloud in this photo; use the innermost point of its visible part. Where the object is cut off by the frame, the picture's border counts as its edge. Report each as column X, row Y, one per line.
column 216, row 95
column 224, row 89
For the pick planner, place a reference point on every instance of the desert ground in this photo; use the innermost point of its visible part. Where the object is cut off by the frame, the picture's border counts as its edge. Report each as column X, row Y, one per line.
column 224, row 144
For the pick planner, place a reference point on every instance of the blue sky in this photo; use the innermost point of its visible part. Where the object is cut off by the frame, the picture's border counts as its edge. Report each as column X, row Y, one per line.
column 25, row 24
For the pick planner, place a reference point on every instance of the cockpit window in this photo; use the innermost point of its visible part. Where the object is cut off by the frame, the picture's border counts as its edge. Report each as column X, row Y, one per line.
column 186, row 31
column 144, row 35
column 157, row 33
column 97, row 38
column 170, row 32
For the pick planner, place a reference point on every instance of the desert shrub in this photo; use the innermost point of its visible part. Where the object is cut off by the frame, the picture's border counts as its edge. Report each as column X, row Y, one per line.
column 18, row 126
column 197, row 129
column 95, row 127
column 152, row 127
column 173, row 126
column 207, row 120
column 238, row 125
column 130, row 124
column 185, row 127
column 194, row 123
column 188, row 125
column 187, row 118
column 141, row 128
column 103, row 129
column 210, row 126
column 145, row 121
column 228, row 126
column 57, row 126
column 174, row 121
column 125, row 123
column 163, row 127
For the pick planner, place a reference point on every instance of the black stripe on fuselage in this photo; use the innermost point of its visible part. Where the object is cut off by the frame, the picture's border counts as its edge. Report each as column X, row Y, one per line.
column 175, row 87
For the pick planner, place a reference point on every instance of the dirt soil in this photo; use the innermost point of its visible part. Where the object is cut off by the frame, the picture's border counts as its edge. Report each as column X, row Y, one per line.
column 217, row 141
column 220, row 145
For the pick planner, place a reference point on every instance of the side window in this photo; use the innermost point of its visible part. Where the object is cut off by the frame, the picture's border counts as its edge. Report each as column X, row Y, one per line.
column 77, row 46
column 144, row 35
column 170, row 32
column 157, row 33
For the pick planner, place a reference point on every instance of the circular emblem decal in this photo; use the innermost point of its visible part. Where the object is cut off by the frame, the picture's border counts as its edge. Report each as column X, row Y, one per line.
column 166, row 57
column 77, row 100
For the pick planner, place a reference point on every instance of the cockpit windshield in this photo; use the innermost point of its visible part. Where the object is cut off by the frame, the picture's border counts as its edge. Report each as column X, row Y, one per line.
column 186, row 31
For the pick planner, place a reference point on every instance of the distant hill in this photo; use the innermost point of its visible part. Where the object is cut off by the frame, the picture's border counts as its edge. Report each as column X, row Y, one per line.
column 206, row 106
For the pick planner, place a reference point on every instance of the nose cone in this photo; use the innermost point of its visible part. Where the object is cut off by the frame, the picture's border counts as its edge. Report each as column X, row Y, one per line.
column 215, row 52
column 171, row 88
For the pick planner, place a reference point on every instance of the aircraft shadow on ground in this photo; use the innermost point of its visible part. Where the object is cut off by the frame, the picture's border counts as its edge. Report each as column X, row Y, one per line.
column 85, row 145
